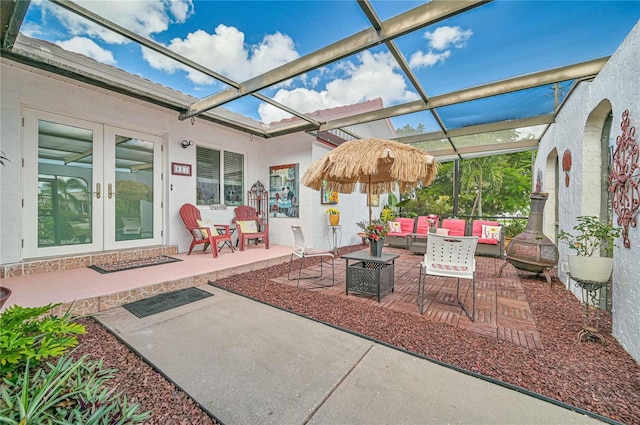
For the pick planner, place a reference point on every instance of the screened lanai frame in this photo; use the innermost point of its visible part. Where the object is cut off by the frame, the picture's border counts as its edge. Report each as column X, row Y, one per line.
column 524, row 101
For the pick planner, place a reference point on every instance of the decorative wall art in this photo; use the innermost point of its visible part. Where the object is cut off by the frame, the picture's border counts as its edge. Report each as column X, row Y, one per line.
column 375, row 200
column 327, row 195
column 284, row 190
column 566, row 166
column 624, row 179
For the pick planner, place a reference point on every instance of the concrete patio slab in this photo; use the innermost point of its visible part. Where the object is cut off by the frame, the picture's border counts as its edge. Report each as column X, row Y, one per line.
column 249, row 363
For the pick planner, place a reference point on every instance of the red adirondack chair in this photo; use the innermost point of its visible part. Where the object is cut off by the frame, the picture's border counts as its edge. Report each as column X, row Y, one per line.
column 207, row 235
column 250, row 226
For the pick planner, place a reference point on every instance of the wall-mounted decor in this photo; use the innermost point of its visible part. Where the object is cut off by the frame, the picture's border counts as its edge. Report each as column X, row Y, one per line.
column 258, row 198
column 375, row 200
column 180, row 169
column 566, row 165
column 328, row 196
column 284, row 184
column 625, row 178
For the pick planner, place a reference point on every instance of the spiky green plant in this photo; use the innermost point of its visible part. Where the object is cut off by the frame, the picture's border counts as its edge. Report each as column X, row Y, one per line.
column 29, row 334
column 66, row 392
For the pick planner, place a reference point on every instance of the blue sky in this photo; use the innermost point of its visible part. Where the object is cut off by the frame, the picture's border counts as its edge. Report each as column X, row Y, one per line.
column 241, row 39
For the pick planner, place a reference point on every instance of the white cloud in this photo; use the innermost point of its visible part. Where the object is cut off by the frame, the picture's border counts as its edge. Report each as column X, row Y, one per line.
column 428, row 59
column 441, row 40
column 225, row 52
column 142, row 17
column 444, row 37
column 275, row 50
column 181, row 10
column 88, row 48
column 375, row 76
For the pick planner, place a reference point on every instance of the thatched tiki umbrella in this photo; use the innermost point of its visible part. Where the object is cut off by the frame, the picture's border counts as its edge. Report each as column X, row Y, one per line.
column 377, row 165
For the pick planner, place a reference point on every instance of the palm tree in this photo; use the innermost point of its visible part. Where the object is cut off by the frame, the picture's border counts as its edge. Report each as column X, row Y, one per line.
column 479, row 174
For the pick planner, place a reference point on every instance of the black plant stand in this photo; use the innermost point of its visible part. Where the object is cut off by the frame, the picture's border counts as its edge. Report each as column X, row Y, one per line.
column 590, row 297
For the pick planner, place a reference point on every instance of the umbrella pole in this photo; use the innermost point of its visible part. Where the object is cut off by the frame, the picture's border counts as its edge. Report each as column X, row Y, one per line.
column 369, row 199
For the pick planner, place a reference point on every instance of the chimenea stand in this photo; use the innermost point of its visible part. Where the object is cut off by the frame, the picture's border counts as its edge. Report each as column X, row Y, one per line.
column 531, row 250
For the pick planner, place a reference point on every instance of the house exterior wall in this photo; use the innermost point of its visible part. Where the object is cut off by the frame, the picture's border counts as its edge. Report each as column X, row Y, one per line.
column 618, row 84
column 22, row 86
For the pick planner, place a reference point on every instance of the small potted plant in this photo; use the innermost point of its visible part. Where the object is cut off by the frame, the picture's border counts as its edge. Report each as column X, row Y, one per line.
column 334, row 216
column 375, row 232
column 590, row 238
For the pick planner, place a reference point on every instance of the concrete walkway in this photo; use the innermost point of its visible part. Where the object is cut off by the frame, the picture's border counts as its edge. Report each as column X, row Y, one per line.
column 249, row 363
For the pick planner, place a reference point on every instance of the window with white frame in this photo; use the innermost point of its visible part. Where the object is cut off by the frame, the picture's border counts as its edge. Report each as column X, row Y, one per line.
column 219, row 172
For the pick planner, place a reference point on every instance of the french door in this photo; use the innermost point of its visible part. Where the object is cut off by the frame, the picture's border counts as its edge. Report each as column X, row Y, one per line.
column 88, row 186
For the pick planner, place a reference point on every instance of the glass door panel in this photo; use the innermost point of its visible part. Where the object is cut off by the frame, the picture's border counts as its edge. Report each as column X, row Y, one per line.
column 62, row 193
column 133, row 204
column 88, row 186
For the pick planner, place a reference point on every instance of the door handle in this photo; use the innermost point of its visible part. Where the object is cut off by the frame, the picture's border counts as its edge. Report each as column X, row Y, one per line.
column 97, row 192
column 111, row 192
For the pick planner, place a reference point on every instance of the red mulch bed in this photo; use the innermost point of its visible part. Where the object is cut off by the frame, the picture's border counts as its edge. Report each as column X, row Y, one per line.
column 602, row 379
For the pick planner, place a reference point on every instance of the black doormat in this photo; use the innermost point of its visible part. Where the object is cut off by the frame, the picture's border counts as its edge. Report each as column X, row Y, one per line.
column 119, row 266
column 164, row 302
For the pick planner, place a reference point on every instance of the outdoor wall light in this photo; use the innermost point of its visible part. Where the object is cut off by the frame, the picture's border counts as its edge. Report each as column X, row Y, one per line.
column 187, row 143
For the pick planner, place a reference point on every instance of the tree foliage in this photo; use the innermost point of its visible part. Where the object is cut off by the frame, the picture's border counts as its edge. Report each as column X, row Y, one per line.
column 489, row 186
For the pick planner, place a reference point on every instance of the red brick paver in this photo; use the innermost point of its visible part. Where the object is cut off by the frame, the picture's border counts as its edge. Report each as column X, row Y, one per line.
column 502, row 310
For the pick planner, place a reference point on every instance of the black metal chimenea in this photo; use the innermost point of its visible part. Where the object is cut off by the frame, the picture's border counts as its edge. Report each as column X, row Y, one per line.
column 531, row 250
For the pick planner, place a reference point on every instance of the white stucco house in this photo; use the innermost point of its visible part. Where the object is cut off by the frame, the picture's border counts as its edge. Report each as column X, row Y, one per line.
column 38, row 106
column 587, row 127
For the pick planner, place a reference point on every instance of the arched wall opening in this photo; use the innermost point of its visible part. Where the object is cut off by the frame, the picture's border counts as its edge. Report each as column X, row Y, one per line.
column 596, row 150
column 550, row 215
column 594, row 173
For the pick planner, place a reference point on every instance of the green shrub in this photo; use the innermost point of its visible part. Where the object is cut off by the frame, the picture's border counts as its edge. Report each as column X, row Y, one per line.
column 591, row 236
column 67, row 392
column 515, row 227
column 27, row 335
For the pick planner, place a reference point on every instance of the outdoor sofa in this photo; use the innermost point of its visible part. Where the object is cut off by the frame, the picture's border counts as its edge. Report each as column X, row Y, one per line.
column 400, row 238
column 490, row 238
column 490, row 242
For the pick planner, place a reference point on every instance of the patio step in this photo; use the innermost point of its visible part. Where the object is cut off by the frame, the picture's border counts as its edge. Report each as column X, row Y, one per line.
column 33, row 266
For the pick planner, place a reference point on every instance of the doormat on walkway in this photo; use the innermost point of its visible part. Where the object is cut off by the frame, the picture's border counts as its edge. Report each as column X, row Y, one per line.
column 119, row 266
column 164, row 302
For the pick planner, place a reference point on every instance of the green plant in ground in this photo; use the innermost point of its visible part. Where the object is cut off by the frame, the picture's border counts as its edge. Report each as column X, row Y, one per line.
column 27, row 335
column 67, row 392
column 514, row 227
column 591, row 236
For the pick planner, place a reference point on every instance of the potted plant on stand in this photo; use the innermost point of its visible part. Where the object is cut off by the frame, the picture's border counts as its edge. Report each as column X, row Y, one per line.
column 590, row 238
column 334, row 216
